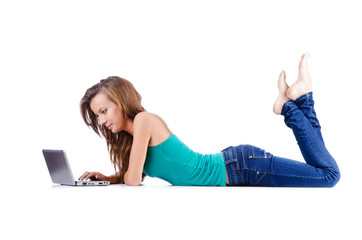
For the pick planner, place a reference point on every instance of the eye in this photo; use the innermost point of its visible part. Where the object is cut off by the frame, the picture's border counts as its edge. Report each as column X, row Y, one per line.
column 104, row 111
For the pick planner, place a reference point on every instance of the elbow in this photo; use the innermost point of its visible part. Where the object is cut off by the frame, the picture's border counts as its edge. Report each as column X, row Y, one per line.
column 132, row 183
column 130, row 180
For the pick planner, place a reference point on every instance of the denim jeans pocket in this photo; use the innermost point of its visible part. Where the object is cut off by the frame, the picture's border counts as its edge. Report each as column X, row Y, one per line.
column 230, row 161
column 232, row 165
column 257, row 153
column 230, row 157
column 258, row 164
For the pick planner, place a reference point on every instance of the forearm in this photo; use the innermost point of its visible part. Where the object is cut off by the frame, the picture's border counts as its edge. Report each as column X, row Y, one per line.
column 115, row 178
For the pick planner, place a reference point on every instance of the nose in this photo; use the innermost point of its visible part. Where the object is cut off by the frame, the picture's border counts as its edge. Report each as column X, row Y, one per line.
column 101, row 120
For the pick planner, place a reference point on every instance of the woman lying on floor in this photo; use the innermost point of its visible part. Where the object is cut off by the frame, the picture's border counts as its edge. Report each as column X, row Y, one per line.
column 140, row 143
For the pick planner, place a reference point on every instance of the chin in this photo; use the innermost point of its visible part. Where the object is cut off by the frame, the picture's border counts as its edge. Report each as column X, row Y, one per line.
column 115, row 130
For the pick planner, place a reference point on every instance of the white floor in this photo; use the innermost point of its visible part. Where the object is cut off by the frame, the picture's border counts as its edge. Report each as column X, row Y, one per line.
column 160, row 211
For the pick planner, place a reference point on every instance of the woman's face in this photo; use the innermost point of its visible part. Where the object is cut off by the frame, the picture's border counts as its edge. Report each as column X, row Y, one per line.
column 108, row 113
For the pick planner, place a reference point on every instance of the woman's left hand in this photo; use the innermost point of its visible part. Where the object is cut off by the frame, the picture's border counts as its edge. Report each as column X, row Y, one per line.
column 94, row 176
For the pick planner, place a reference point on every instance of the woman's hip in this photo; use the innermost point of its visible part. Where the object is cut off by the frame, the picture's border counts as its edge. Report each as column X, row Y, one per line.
column 246, row 164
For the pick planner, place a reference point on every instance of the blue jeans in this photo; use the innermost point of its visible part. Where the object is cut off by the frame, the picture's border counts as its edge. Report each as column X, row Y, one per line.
column 252, row 166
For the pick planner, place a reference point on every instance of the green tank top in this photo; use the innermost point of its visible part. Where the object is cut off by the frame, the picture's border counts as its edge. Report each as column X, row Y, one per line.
column 174, row 162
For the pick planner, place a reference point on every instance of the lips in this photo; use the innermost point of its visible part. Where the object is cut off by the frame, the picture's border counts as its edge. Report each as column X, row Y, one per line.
column 109, row 126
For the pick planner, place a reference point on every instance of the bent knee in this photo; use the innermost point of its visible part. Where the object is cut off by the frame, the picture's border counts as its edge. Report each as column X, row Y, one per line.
column 332, row 177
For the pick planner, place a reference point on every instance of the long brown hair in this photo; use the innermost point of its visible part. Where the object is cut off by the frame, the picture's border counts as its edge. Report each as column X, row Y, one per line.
column 123, row 93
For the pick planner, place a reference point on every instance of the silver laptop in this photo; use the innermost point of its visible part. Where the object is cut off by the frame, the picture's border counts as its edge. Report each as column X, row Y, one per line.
column 60, row 171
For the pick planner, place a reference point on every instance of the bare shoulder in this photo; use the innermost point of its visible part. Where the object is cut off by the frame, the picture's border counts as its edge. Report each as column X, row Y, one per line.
column 153, row 124
column 146, row 120
column 145, row 117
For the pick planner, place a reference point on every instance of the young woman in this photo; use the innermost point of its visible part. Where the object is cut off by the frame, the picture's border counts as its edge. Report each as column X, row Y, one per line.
column 140, row 143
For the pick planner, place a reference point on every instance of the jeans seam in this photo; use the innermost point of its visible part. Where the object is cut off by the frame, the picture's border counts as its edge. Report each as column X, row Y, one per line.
column 309, row 142
column 321, row 178
column 260, row 178
column 288, row 175
column 237, row 162
column 242, row 154
column 311, row 112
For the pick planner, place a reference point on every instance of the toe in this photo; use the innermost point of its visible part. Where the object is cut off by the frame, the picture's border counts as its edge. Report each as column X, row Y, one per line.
column 303, row 64
column 282, row 84
column 282, row 74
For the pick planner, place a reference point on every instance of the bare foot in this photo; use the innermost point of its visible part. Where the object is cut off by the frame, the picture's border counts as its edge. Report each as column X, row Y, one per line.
column 303, row 84
column 282, row 97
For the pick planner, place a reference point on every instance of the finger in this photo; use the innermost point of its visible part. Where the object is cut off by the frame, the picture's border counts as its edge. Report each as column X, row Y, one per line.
column 83, row 176
column 89, row 175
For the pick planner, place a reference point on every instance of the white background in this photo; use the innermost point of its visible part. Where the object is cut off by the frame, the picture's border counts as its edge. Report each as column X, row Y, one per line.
column 209, row 68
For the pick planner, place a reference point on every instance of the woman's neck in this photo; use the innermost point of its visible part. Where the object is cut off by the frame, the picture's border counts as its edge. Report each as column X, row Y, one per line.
column 129, row 127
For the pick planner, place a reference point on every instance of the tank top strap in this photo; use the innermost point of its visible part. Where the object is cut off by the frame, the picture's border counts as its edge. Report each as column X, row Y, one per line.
column 164, row 124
